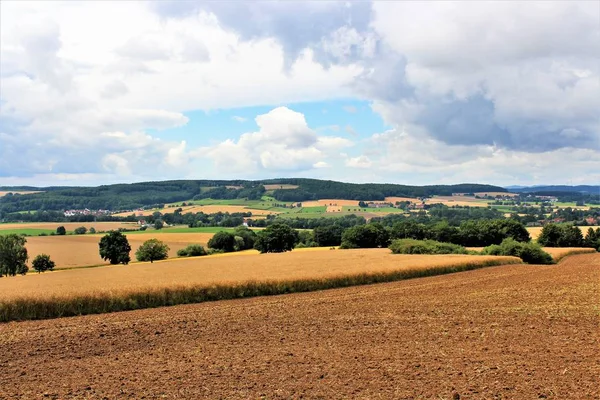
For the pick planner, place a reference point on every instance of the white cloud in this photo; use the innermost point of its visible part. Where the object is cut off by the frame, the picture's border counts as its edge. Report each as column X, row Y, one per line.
column 359, row 162
column 239, row 119
column 283, row 143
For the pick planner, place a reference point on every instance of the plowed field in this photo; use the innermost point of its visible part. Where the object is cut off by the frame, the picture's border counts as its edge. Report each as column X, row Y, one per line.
column 510, row 332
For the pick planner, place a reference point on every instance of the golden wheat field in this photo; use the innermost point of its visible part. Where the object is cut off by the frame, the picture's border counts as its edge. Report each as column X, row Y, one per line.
column 82, row 250
column 394, row 199
column 4, row 193
column 559, row 252
column 70, row 226
column 457, row 201
column 210, row 270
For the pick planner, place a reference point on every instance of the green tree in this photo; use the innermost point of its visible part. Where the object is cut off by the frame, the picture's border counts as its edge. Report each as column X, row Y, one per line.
column 43, row 263
column 328, row 235
column 61, row 230
column 248, row 235
column 560, row 235
column 224, row 241
column 192, row 250
column 80, row 231
column 115, row 247
column 92, row 230
column 365, row 236
column 158, row 224
column 13, row 255
column 276, row 238
column 152, row 249
column 592, row 238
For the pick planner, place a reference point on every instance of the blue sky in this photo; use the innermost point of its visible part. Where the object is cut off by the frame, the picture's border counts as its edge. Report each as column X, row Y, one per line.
column 504, row 93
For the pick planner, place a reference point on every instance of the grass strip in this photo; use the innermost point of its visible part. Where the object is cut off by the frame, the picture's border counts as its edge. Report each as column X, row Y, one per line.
column 29, row 308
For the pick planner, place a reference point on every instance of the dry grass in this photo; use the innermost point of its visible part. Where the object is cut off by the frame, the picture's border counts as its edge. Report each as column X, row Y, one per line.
column 70, row 226
column 228, row 270
column 82, row 250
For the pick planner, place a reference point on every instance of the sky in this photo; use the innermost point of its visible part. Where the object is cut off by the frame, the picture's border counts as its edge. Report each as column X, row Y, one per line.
column 101, row 92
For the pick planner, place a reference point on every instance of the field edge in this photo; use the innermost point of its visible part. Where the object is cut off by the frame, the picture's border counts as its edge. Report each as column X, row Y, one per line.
column 21, row 309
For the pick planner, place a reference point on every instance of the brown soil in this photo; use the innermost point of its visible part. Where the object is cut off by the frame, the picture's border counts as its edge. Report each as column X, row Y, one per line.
column 510, row 332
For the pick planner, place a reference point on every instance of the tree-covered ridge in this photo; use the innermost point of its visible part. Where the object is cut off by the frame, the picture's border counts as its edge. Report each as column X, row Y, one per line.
column 135, row 195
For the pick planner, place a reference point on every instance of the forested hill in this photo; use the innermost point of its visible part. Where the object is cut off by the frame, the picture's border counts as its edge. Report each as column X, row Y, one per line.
column 135, row 195
column 557, row 189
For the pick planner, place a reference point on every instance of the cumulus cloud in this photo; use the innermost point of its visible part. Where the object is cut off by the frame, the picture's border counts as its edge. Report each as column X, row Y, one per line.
column 359, row 162
column 283, row 143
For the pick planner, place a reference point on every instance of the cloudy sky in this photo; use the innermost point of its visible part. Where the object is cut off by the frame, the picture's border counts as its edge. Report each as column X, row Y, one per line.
column 101, row 92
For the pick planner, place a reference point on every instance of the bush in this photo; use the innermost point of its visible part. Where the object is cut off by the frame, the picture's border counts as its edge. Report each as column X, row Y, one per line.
column 248, row 236
column 192, row 250
column 328, row 235
column 61, row 230
column 531, row 253
column 81, row 230
column 43, row 263
column 412, row 246
column 222, row 241
column 151, row 250
column 92, row 230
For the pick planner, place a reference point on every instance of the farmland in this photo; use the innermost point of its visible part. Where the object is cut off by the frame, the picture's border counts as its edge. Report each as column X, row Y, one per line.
column 212, row 270
column 520, row 331
column 69, row 226
column 82, row 250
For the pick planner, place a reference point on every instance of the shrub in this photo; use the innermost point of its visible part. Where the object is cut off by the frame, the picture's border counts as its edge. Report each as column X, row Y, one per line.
column 92, row 230
column 531, row 253
column 192, row 250
column 151, row 250
column 61, row 230
column 412, row 246
column 43, row 263
column 81, row 230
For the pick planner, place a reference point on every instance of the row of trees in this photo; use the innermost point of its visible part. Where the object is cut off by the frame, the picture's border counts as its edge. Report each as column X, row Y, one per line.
column 564, row 235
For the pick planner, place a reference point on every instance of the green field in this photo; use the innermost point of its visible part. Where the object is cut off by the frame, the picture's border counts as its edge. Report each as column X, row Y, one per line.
column 27, row 231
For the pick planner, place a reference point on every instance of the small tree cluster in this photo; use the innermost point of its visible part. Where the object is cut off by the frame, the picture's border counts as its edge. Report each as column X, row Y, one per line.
column 531, row 253
column 365, row 236
column 192, row 250
column 276, row 238
column 560, row 235
column 592, row 238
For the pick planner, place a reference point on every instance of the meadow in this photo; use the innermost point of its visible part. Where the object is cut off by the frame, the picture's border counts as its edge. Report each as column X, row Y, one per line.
column 185, row 280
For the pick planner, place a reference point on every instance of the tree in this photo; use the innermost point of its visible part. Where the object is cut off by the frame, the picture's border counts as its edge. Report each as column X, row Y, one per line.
column 222, row 241
column 276, row 238
column 115, row 247
column 61, row 230
column 592, row 238
column 92, row 230
column 192, row 250
column 13, row 255
column 560, row 235
column 326, row 236
column 81, row 230
column 365, row 236
column 43, row 263
column 152, row 249
column 248, row 235
column 158, row 224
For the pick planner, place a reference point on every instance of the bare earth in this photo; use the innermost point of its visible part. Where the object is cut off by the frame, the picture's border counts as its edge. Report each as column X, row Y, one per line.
column 510, row 332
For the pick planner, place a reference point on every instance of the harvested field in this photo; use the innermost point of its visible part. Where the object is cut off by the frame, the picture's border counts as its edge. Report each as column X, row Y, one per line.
column 206, row 271
column 208, row 209
column 282, row 186
column 494, row 194
column 4, row 193
column 510, row 332
column 81, row 250
column 393, row 200
column 457, row 201
column 70, row 226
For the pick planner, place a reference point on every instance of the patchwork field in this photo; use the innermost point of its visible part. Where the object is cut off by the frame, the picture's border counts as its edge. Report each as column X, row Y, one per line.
column 509, row 332
column 4, row 193
column 82, row 250
column 282, row 186
column 207, row 209
column 206, row 271
column 457, row 201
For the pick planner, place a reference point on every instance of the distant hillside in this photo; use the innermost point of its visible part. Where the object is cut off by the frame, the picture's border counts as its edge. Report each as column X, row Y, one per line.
column 135, row 195
column 556, row 188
